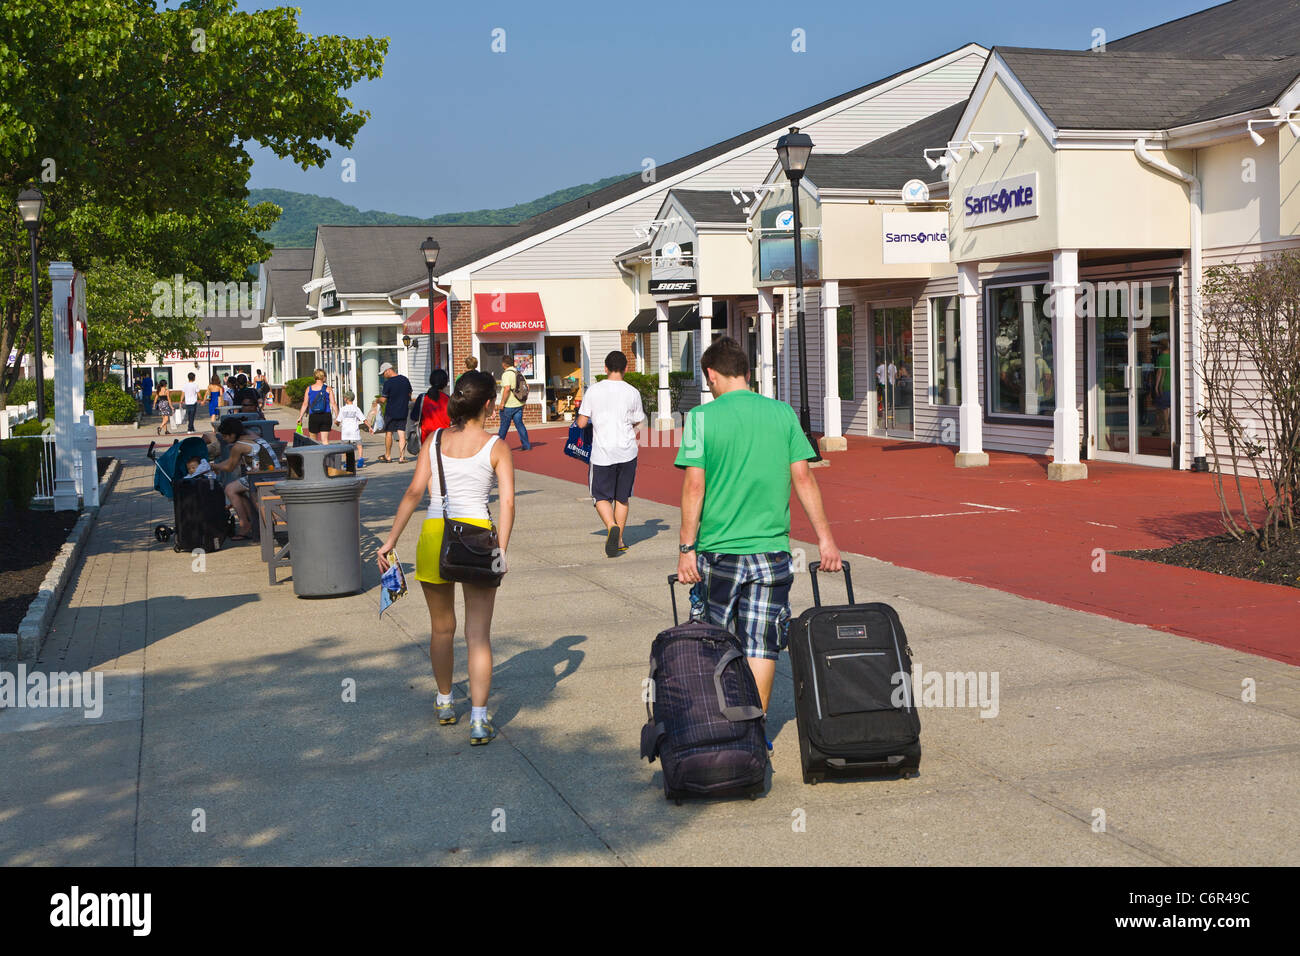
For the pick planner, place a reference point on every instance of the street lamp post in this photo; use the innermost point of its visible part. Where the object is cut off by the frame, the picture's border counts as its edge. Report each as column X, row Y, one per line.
column 429, row 249
column 31, row 206
column 207, row 334
column 794, row 148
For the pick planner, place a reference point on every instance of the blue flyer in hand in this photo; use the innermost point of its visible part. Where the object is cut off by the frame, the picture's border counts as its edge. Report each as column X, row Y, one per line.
column 392, row 585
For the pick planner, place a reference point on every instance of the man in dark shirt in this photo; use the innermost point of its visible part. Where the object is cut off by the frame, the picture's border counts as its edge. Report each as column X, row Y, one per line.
column 247, row 398
column 397, row 404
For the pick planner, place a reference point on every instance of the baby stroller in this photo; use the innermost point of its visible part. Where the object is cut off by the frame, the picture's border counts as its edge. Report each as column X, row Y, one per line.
column 203, row 518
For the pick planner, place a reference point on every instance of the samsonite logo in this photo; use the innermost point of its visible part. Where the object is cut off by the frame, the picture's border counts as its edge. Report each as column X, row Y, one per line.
column 1002, row 201
column 921, row 237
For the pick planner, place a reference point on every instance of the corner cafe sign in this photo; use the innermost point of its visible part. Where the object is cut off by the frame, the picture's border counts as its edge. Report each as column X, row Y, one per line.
column 1002, row 201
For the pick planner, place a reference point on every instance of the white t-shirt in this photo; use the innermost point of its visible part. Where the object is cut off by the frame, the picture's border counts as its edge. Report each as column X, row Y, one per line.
column 350, row 420
column 191, row 392
column 614, row 408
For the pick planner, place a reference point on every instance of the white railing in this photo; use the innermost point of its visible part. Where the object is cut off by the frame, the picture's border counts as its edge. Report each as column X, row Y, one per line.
column 15, row 415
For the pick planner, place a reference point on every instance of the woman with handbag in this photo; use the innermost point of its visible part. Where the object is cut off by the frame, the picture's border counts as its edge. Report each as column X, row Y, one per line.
column 458, row 542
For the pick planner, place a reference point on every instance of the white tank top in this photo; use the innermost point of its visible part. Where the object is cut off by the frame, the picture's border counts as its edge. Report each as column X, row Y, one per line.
column 468, row 482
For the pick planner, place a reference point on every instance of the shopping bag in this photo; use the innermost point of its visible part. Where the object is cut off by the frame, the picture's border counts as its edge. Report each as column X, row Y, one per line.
column 579, row 444
column 178, row 417
column 392, row 583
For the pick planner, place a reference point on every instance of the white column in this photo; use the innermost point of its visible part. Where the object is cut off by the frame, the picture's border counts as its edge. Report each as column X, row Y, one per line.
column 832, row 435
column 703, row 339
column 69, row 384
column 765, row 364
column 1065, row 465
column 664, row 413
column 970, row 419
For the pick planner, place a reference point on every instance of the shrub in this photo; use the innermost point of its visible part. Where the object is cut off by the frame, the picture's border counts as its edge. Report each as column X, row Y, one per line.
column 296, row 388
column 24, row 391
column 111, row 405
column 4, row 485
column 647, row 385
column 28, row 428
column 676, row 386
column 24, row 467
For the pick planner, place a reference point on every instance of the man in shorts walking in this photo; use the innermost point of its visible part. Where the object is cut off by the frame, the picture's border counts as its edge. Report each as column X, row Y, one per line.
column 613, row 407
column 396, row 396
column 742, row 454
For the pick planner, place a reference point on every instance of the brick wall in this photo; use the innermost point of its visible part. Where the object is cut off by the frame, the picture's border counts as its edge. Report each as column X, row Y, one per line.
column 627, row 345
column 461, row 335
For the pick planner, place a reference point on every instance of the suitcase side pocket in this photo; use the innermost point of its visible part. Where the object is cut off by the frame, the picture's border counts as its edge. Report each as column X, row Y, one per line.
column 858, row 681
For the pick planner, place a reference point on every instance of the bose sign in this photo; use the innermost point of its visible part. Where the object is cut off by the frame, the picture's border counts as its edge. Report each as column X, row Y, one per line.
column 1002, row 201
column 914, row 237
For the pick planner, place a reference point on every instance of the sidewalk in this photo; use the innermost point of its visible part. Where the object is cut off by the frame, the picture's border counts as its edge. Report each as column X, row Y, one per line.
column 226, row 697
column 1007, row 527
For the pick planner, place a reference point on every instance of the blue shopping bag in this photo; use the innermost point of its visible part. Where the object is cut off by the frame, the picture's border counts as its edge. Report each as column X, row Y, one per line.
column 579, row 444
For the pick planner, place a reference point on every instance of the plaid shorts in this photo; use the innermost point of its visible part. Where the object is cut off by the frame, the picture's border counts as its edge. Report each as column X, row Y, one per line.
column 747, row 594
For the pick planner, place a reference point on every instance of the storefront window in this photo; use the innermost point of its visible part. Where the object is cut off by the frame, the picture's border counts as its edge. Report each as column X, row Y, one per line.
column 387, row 335
column 1020, row 352
column 945, row 363
column 683, row 351
column 523, row 353
column 304, row 363
column 844, row 346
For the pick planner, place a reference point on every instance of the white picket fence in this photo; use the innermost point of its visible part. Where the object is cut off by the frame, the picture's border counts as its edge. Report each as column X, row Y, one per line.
column 16, row 415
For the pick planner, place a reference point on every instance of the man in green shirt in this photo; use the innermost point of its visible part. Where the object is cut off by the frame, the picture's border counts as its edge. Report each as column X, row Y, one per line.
column 742, row 454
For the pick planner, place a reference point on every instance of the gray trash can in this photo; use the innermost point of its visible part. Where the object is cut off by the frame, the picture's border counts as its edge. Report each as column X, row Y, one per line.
column 322, row 497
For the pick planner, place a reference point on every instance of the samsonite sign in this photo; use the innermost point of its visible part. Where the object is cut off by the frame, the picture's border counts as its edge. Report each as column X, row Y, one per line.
column 1003, row 201
column 914, row 237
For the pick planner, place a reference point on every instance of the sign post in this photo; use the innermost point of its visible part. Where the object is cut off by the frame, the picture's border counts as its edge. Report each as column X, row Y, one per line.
column 70, row 419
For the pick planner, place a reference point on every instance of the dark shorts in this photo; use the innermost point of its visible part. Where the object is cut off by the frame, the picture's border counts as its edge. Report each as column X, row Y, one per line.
column 319, row 421
column 1162, row 399
column 613, row 482
column 395, row 424
column 748, row 595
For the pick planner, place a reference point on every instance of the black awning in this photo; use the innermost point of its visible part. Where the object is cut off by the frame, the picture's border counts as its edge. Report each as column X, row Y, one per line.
column 681, row 318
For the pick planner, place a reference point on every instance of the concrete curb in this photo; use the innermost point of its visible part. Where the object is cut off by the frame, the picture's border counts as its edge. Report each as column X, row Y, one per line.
column 40, row 613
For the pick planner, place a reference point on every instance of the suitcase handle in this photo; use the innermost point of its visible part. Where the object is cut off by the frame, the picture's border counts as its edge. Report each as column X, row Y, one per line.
column 672, row 593
column 848, row 582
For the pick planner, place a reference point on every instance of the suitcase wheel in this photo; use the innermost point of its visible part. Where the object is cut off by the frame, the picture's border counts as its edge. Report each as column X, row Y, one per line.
column 162, row 532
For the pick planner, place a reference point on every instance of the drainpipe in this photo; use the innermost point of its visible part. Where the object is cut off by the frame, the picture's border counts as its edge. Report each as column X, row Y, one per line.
column 636, row 283
column 1194, row 340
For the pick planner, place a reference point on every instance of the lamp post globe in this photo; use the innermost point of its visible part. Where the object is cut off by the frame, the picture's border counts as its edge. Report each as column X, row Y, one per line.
column 31, row 207
column 429, row 249
column 793, row 149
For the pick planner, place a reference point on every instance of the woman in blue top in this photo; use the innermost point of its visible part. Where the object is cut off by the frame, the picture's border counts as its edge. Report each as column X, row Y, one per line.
column 319, row 408
column 214, row 398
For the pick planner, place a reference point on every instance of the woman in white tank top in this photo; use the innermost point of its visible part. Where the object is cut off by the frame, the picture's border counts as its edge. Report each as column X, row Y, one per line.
column 471, row 460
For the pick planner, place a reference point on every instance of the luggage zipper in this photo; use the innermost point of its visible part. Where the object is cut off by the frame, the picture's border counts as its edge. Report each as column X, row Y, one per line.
column 836, row 657
column 812, row 666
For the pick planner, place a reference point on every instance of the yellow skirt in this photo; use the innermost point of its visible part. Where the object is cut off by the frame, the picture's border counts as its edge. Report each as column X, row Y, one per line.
column 427, row 548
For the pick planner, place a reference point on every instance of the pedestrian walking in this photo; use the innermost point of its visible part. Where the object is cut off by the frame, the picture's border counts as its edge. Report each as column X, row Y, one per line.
column 214, row 399
column 162, row 403
column 431, row 408
column 349, row 424
column 396, row 398
column 471, row 458
column 190, row 401
column 742, row 454
column 514, row 392
column 613, row 407
column 318, row 408
column 146, row 394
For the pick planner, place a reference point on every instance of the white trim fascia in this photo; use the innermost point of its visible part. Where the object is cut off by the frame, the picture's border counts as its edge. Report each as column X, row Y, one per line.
column 466, row 271
column 1108, row 138
column 996, row 68
column 710, row 228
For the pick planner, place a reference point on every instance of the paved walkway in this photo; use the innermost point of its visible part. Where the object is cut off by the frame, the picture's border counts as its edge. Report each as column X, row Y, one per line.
column 1007, row 527
column 226, row 710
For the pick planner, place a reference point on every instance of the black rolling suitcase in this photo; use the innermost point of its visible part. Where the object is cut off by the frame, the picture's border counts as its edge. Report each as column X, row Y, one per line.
column 855, row 715
column 202, row 515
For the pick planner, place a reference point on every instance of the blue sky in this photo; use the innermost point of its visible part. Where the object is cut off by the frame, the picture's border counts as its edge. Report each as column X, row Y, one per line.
column 586, row 90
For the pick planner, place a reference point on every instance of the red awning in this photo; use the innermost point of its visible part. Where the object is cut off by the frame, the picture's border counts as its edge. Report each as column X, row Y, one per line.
column 509, row 312
column 418, row 323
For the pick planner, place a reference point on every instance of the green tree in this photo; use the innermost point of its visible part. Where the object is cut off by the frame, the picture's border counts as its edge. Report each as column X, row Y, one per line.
column 135, row 123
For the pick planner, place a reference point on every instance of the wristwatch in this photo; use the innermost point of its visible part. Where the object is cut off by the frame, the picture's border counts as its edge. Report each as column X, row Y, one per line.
column 686, row 548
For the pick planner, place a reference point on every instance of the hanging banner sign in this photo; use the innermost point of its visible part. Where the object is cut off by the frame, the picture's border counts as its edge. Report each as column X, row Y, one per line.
column 914, row 237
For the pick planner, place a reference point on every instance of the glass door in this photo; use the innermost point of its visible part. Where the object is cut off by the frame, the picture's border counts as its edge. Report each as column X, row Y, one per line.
column 1133, row 374
column 891, row 357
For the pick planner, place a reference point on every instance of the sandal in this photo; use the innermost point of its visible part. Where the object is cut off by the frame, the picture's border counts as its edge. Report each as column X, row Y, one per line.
column 384, row 458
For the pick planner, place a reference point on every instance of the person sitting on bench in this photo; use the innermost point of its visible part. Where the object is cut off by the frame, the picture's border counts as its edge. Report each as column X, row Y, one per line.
column 243, row 442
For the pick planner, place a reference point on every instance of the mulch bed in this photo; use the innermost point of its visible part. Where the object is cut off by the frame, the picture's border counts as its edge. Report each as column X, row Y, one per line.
column 1222, row 554
column 22, row 569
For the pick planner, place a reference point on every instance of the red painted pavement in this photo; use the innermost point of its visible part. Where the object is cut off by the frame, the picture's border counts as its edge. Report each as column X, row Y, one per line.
column 878, row 491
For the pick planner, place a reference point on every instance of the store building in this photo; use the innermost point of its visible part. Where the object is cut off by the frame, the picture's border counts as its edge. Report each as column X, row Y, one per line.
column 288, row 351
column 234, row 348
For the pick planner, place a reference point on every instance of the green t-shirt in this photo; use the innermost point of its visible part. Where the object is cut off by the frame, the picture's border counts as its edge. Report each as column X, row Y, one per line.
column 746, row 444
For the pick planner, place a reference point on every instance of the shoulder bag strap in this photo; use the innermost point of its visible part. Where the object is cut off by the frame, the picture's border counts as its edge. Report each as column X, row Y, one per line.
column 442, row 479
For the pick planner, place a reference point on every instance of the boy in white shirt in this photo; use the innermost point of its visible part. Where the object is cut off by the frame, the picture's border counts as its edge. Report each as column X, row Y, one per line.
column 349, row 423
column 614, row 409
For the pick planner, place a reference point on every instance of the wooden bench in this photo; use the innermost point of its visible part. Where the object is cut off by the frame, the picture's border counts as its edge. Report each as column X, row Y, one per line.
column 273, row 520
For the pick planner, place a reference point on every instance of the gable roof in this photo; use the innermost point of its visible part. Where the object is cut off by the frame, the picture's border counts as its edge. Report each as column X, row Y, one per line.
column 934, row 130
column 634, row 183
column 287, row 271
column 848, row 171
column 1241, row 27
column 379, row 259
column 709, row 205
column 230, row 328
column 1145, row 90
